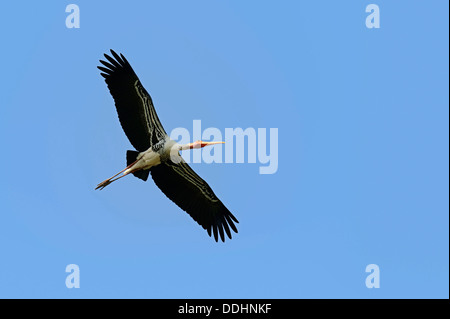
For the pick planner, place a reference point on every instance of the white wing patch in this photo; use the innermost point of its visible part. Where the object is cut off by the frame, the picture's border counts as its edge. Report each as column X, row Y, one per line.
column 153, row 124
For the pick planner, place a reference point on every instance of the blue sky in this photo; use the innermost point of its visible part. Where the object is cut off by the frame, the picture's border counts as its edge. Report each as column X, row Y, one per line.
column 362, row 116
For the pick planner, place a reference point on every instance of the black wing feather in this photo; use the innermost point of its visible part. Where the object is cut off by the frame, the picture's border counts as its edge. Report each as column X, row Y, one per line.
column 192, row 194
column 134, row 105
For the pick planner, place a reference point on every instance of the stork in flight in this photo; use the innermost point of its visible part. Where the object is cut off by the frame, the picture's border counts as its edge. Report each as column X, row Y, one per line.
column 158, row 154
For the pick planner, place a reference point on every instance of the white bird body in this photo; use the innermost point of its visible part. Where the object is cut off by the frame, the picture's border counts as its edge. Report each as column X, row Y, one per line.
column 152, row 156
column 145, row 160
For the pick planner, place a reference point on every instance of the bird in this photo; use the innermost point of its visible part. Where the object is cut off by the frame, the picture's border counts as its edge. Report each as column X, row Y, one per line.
column 157, row 154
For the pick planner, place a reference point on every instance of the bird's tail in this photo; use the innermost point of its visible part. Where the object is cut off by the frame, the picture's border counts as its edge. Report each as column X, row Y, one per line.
column 131, row 158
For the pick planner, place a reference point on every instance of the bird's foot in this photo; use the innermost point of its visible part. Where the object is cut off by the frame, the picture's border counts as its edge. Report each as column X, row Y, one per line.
column 103, row 184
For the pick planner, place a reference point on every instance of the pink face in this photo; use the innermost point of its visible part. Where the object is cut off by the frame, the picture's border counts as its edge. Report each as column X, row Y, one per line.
column 198, row 144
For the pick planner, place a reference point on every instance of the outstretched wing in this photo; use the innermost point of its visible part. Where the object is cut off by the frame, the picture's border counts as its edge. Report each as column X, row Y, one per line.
column 134, row 105
column 192, row 194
